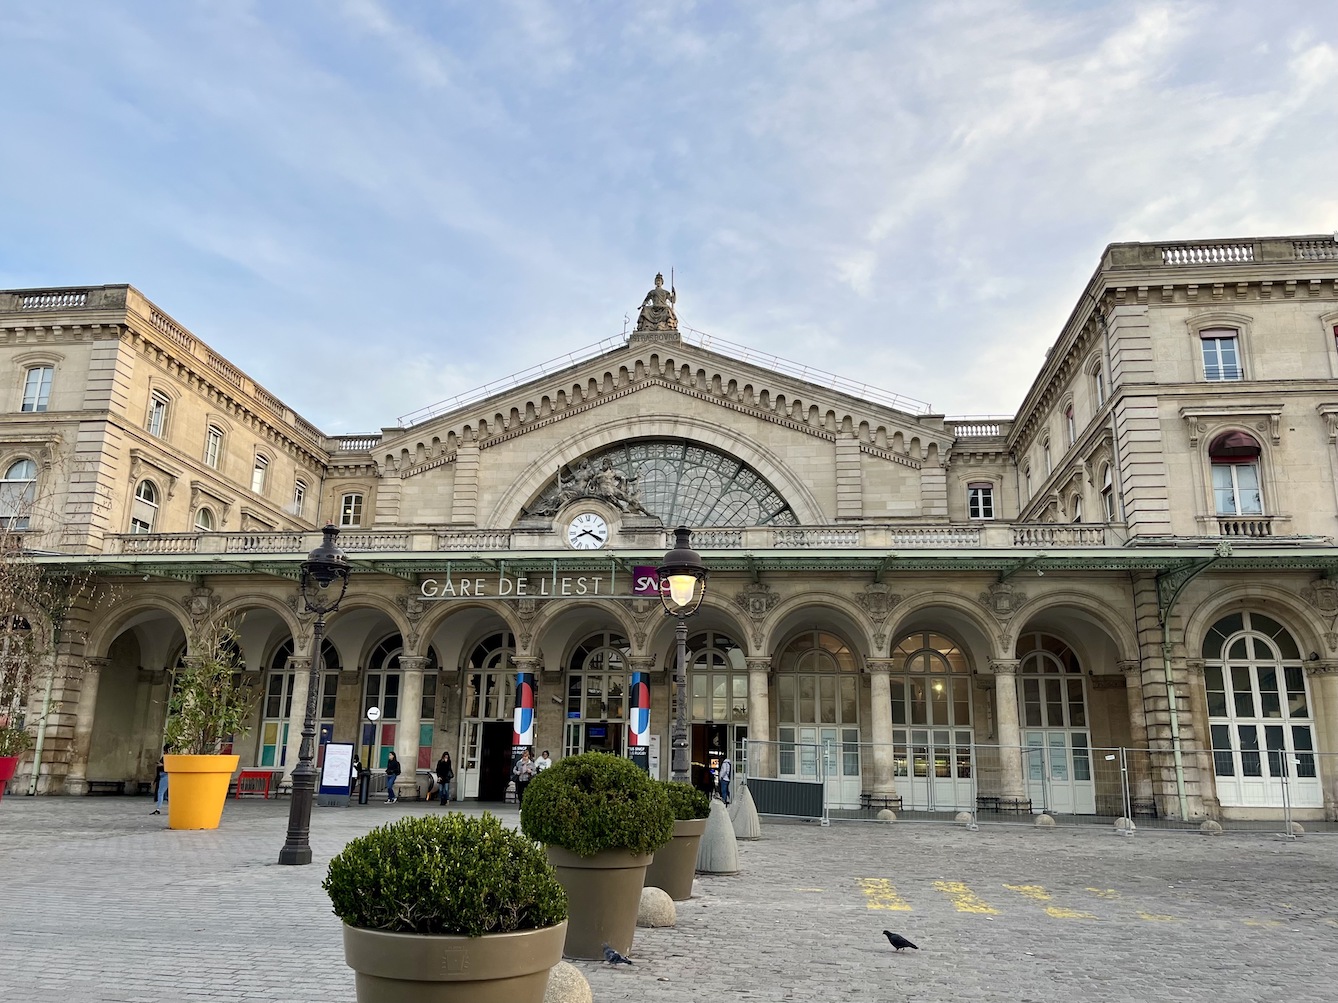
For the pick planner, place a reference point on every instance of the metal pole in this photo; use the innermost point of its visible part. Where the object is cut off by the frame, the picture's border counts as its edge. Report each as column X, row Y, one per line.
column 1124, row 784
column 682, row 765
column 297, row 847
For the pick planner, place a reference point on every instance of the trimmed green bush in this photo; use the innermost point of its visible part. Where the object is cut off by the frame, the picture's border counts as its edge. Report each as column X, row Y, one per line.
column 595, row 802
column 687, row 802
column 445, row 874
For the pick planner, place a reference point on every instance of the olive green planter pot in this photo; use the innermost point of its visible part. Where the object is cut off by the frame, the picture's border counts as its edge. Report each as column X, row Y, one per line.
column 421, row 968
column 603, row 895
column 675, row 865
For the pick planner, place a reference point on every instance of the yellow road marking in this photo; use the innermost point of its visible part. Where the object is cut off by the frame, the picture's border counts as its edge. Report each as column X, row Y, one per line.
column 1153, row 917
column 810, row 889
column 1261, row 922
column 879, row 894
column 963, row 898
column 1104, row 893
column 1030, row 891
column 1059, row 913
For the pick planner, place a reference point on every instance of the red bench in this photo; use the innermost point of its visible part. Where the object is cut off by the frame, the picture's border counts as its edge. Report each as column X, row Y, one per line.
column 261, row 782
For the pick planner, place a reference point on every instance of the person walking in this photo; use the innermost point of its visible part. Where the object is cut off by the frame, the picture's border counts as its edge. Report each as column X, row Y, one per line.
column 160, row 782
column 445, row 774
column 392, row 777
column 524, row 773
column 726, row 778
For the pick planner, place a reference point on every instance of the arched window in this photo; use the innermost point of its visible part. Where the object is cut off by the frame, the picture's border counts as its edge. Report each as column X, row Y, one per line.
column 1070, row 426
column 718, row 683
column 277, row 708
column 1259, row 719
column 144, row 511
column 1053, row 707
column 1099, row 385
column 1045, row 456
column 1236, row 485
column 204, row 520
column 596, row 694
column 1076, row 508
column 18, row 490
column 1107, row 493
column 817, row 701
column 931, row 721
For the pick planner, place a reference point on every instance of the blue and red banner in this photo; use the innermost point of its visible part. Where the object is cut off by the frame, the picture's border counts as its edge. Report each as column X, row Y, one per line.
column 522, row 732
column 638, row 723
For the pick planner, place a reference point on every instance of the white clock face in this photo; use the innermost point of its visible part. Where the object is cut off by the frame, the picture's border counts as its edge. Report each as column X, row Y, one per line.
column 588, row 531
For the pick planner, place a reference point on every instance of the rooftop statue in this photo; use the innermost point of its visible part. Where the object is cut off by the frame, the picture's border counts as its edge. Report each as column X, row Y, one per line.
column 657, row 309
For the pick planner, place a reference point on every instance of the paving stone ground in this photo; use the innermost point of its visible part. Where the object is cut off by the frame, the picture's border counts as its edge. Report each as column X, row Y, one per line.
column 99, row 901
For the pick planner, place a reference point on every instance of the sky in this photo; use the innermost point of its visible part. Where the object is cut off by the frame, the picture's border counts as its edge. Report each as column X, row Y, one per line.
column 374, row 206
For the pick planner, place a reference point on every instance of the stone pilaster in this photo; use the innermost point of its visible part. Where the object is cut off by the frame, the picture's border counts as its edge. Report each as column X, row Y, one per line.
column 761, row 758
column 1008, row 729
column 1140, row 776
column 1323, row 676
column 880, row 703
column 1196, row 746
column 301, row 670
column 76, row 779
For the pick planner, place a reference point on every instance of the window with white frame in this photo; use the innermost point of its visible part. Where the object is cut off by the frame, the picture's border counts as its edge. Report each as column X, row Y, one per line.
column 258, row 472
column 144, row 511
column 37, row 388
column 204, row 520
column 1236, row 485
column 1107, row 493
column 1026, row 477
column 213, row 446
column 1045, row 456
column 1099, row 385
column 157, row 420
column 980, row 500
column 350, row 509
column 1069, row 425
column 17, row 492
column 1221, row 353
column 299, row 497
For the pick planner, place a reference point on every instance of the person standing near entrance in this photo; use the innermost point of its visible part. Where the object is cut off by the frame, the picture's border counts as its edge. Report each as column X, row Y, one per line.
column 161, row 783
column 392, row 776
column 524, row 773
column 543, row 762
column 445, row 774
column 726, row 778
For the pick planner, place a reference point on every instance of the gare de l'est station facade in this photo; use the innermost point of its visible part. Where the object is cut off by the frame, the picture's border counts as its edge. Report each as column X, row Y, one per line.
column 941, row 610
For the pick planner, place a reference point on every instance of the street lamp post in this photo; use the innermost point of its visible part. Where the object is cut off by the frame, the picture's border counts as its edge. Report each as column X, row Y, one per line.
column 323, row 583
column 684, row 575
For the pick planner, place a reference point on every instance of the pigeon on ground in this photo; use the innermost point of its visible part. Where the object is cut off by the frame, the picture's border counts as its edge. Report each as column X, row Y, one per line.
column 614, row 958
column 898, row 941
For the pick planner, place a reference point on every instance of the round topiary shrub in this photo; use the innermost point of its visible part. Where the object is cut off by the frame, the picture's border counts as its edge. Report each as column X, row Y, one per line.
column 686, row 801
column 445, row 874
column 597, row 801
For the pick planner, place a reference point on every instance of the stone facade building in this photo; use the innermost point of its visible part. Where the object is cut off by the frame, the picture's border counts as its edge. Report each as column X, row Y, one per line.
column 952, row 612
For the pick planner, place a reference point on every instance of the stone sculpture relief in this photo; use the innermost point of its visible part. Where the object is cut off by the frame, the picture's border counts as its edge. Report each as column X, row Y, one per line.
column 657, row 309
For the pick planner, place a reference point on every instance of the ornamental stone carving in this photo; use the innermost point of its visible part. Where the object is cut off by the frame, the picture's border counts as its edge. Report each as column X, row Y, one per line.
column 878, row 601
column 1002, row 599
column 757, row 600
column 1322, row 594
column 200, row 605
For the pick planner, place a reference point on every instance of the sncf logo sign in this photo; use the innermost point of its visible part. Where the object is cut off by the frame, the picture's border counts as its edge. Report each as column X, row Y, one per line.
column 645, row 581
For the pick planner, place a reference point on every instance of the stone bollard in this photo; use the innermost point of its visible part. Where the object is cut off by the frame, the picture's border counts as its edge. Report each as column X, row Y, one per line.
column 1045, row 821
column 656, row 909
column 1125, row 824
column 887, row 815
column 963, row 818
column 1211, row 828
column 1298, row 829
column 743, row 813
column 719, row 851
column 566, row 984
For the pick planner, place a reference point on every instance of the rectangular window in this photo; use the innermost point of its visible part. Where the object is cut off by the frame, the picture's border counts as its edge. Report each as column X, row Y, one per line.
column 213, row 446
column 1099, row 386
column 980, row 500
column 1070, row 425
column 299, row 497
column 258, row 474
column 37, row 388
column 350, row 510
column 1236, row 489
column 157, row 413
column 1046, row 451
column 1221, row 354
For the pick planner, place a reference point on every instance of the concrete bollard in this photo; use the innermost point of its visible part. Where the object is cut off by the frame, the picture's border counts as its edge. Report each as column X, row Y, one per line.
column 1045, row 821
column 719, row 851
column 566, row 984
column 1125, row 824
column 656, row 909
column 743, row 813
column 887, row 815
column 1211, row 828
column 964, row 818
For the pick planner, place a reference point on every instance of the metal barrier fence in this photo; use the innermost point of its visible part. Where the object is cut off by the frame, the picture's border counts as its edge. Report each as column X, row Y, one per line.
column 1273, row 791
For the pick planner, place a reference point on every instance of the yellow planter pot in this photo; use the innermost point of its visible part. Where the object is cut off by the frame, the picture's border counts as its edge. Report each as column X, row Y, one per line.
column 197, row 787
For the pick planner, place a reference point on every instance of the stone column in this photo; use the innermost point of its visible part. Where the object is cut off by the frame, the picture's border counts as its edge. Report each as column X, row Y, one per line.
column 297, row 713
column 76, row 779
column 761, row 758
column 880, row 702
column 1140, row 766
column 1008, row 730
column 1199, row 752
column 411, row 715
column 1324, row 712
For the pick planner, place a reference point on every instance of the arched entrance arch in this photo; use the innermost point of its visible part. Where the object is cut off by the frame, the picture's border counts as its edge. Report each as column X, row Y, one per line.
column 1056, row 736
column 817, row 675
column 932, row 722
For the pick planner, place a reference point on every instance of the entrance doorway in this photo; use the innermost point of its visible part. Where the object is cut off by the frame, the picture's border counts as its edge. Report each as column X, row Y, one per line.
column 494, row 759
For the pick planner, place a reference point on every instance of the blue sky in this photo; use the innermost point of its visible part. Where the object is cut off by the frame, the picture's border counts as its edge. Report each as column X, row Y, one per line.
column 372, row 206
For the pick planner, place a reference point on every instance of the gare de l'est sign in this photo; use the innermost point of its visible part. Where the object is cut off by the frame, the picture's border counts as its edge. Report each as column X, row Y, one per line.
column 499, row 585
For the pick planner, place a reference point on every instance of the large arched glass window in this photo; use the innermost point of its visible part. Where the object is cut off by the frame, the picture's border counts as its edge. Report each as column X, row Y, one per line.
column 144, row 511
column 597, row 694
column 1259, row 718
column 1236, row 486
column 681, row 482
column 381, row 689
column 718, row 683
column 1052, row 703
column 817, row 704
column 277, row 710
column 931, row 721
column 18, row 490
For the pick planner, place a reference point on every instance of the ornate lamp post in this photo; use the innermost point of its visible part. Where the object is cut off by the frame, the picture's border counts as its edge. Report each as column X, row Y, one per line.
column 684, row 573
column 323, row 583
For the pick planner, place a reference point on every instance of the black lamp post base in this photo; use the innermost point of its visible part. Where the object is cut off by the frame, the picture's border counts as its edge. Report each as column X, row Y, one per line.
column 295, row 855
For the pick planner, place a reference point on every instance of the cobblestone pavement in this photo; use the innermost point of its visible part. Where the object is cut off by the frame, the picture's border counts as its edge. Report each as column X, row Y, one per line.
column 100, row 901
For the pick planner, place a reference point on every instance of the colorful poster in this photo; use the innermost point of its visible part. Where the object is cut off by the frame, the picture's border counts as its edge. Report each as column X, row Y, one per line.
column 523, row 729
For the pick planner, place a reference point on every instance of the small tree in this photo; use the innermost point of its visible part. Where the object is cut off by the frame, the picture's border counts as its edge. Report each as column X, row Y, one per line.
column 211, row 701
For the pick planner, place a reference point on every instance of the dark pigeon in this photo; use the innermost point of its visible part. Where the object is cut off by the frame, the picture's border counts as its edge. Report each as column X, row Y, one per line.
column 614, row 958
column 898, row 941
